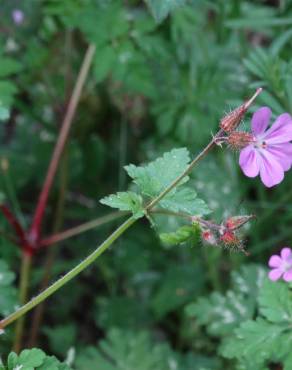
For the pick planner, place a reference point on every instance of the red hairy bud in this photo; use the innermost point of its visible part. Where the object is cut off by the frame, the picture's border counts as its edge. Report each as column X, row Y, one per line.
column 231, row 121
column 239, row 139
column 229, row 238
column 236, row 222
column 209, row 237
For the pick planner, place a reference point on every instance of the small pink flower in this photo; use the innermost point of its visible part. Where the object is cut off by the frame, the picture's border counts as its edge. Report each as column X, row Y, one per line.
column 281, row 266
column 17, row 16
column 270, row 152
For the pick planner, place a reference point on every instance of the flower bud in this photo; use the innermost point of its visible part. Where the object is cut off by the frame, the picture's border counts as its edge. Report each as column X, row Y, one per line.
column 231, row 121
column 239, row 139
column 209, row 237
column 229, row 238
column 235, row 222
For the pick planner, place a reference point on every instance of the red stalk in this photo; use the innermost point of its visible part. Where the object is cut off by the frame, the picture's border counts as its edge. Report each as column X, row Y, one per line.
column 34, row 233
column 19, row 231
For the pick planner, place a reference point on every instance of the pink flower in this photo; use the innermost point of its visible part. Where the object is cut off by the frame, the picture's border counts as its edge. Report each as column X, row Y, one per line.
column 270, row 152
column 17, row 16
column 281, row 265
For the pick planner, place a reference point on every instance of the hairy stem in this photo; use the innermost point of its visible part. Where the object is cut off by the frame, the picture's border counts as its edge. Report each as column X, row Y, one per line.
column 69, row 276
column 23, row 293
column 43, row 198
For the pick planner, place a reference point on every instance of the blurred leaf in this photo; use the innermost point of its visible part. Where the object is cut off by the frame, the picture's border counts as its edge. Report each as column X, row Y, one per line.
column 275, row 302
column 8, row 296
column 161, row 8
column 222, row 313
column 254, row 339
column 179, row 285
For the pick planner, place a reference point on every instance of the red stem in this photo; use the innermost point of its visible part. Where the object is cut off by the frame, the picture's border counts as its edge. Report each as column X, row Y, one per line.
column 23, row 242
column 34, row 233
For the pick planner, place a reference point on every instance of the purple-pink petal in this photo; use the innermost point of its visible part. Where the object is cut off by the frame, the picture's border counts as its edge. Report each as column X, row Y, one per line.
column 288, row 275
column 275, row 274
column 285, row 254
column 283, row 153
column 280, row 131
column 275, row 261
column 249, row 161
column 271, row 171
column 260, row 120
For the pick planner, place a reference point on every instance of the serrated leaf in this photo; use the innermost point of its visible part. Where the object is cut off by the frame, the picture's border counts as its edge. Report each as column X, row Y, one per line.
column 275, row 302
column 161, row 8
column 153, row 178
column 26, row 360
column 181, row 235
column 185, row 200
column 34, row 359
column 125, row 201
column 257, row 340
column 222, row 313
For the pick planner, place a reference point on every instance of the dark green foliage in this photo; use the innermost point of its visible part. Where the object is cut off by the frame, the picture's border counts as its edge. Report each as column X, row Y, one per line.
column 164, row 73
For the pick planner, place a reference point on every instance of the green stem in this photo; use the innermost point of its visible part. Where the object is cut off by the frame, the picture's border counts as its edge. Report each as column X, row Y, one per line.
column 23, row 293
column 69, row 276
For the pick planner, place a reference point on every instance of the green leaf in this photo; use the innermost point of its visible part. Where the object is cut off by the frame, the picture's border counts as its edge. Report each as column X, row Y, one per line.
column 4, row 113
column 179, row 285
column 125, row 201
column 8, row 66
column 276, row 302
column 161, row 8
column 34, row 359
column 181, row 235
column 222, row 313
column 155, row 177
column 104, row 62
column 257, row 340
column 26, row 360
column 185, row 200
column 8, row 296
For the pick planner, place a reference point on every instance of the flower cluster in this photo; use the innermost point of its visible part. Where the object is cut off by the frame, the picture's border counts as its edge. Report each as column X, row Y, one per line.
column 225, row 234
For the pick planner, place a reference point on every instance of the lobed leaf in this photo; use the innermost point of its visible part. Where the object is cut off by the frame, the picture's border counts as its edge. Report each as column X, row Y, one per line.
column 125, row 201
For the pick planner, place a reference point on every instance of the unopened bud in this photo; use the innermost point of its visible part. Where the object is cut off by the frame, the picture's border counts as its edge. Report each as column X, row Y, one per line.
column 239, row 139
column 229, row 238
column 209, row 237
column 235, row 222
column 231, row 121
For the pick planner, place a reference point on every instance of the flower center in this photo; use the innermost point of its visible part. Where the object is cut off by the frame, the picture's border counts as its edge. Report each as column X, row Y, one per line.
column 287, row 265
column 261, row 144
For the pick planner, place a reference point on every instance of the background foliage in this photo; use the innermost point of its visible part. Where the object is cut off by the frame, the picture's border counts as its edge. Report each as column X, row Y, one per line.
column 163, row 75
